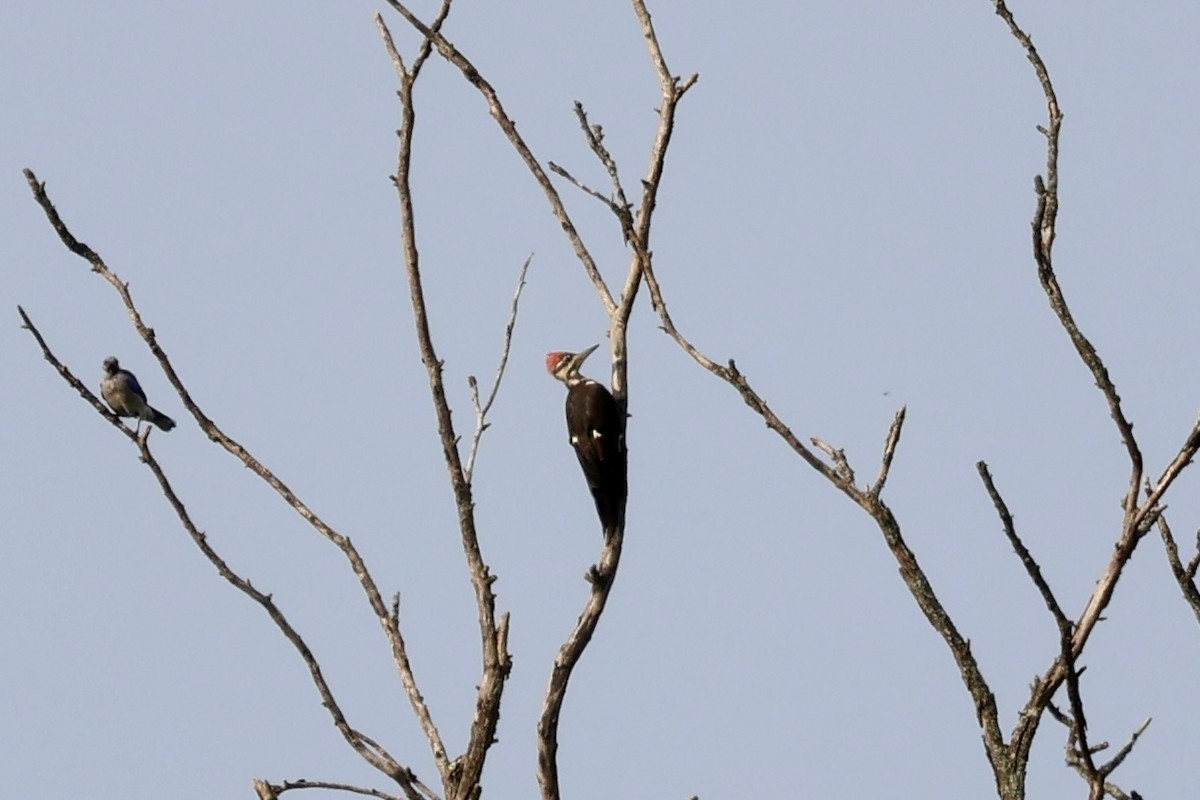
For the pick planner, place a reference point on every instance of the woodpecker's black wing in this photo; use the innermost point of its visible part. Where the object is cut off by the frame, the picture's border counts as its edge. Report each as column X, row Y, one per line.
column 597, row 429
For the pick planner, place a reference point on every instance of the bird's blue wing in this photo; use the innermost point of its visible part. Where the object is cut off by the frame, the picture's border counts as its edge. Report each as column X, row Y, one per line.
column 133, row 384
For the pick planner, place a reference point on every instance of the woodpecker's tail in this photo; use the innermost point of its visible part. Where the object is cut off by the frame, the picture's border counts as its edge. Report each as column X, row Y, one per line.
column 158, row 418
column 611, row 510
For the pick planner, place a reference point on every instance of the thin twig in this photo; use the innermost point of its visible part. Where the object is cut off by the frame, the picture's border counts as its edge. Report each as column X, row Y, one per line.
column 1187, row 452
column 889, row 451
column 583, row 187
column 1185, row 575
column 734, row 377
column 844, row 472
column 1127, row 748
column 618, row 203
column 302, row 783
column 1027, row 561
column 1087, row 762
column 595, row 139
column 482, row 409
column 1080, row 757
column 426, row 48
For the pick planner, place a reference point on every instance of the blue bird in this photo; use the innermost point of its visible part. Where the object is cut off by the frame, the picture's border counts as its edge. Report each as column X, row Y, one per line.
column 125, row 397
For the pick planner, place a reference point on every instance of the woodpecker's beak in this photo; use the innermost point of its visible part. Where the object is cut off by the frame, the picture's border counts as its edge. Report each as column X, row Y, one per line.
column 582, row 355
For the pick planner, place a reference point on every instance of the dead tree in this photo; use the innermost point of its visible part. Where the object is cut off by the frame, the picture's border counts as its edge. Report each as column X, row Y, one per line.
column 632, row 213
column 459, row 774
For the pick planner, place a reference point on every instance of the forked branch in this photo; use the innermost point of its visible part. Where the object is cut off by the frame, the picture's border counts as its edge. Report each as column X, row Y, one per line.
column 1138, row 517
column 461, row 777
column 270, row 791
column 451, row 53
column 636, row 231
column 1082, row 758
column 482, row 407
column 1008, row 762
column 370, row 750
column 839, row 472
column 342, row 542
column 1184, row 574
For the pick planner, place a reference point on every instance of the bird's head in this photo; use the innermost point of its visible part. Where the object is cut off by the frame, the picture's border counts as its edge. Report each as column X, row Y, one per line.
column 565, row 366
column 111, row 366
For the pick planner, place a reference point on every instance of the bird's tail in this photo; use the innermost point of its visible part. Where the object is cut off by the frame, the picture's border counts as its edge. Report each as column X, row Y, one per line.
column 160, row 419
column 611, row 511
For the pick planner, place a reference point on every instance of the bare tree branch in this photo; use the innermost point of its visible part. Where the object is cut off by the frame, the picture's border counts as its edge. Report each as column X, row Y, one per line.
column 70, row 378
column 601, row 577
column 426, row 48
column 1190, row 572
column 461, row 777
column 1182, row 459
column 416, row 699
column 842, row 476
column 1043, row 227
column 837, row 455
column 1043, row 243
column 1185, row 575
column 371, row 751
column 1077, row 721
column 1010, row 531
column 595, row 139
column 583, row 187
column 1008, row 764
column 278, row 789
column 673, row 89
column 482, row 409
column 1127, row 748
column 1008, row 761
column 637, row 233
column 1081, row 758
column 734, row 377
column 509, row 127
column 889, row 452
column 1079, row 726
column 1138, row 518
column 618, row 203
column 342, row 542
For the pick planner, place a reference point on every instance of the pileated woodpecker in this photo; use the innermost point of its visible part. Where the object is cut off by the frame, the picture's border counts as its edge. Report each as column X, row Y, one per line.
column 596, row 425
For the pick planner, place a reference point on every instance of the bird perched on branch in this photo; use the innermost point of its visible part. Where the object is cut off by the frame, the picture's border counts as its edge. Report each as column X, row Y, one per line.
column 596, row 425
column 125, row 397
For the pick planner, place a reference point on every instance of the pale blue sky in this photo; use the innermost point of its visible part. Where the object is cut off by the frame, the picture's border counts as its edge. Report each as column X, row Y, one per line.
column 845, row 211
